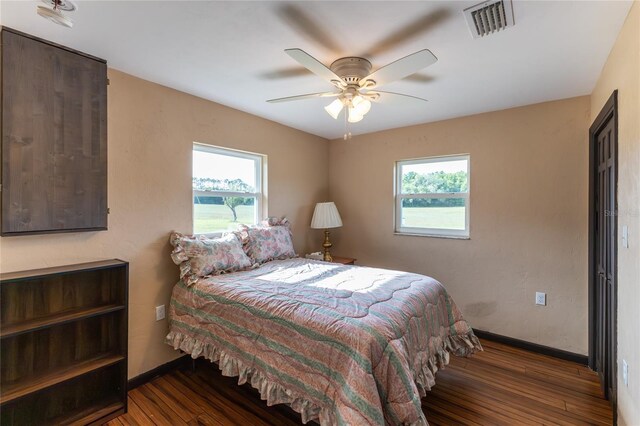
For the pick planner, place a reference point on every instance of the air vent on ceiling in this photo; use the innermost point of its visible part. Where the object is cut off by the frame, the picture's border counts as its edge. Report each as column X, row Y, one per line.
column 488, row 17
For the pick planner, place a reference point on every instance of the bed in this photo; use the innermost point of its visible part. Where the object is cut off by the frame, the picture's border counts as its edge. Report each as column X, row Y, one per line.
column 344, row 345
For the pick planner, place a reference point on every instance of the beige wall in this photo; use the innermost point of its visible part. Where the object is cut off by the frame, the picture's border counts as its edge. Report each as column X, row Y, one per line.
column 528, row 216
column 622, row 72
column 151, row 130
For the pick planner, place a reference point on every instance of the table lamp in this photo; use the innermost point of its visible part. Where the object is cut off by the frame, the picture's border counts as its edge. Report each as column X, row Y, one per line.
column 326, row 216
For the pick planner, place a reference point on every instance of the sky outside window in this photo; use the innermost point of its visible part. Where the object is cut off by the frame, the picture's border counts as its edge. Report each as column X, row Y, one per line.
column 223, row 167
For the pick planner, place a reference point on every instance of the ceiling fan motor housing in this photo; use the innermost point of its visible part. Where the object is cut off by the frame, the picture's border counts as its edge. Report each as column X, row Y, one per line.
column 351, row 69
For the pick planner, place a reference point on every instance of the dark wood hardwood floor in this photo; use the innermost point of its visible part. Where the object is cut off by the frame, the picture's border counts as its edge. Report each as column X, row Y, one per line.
column 500, row 386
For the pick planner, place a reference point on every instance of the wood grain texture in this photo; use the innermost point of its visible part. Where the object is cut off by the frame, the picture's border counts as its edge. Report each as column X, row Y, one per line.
column 63, row 342
column 57, row 376
column 72, row 401
column 54, row 138
column 60, row 270
column 57, row 319
column 500, row 386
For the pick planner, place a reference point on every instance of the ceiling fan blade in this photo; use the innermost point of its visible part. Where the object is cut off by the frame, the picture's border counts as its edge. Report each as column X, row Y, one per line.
column 315, row 66
column 409, row 31
column 307, row 96
column 400, row 68
column 302, row 23
column 285, row 73
column 419, row 78
column 396, row 94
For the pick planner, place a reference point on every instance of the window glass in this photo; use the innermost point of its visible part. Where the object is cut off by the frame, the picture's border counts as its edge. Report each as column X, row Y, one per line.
column 432, row 196
column 226, row 189
column 438, row 213
column 438, row 177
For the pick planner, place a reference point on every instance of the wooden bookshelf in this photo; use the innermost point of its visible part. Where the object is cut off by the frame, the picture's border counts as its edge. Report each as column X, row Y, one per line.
column 58, row 319
column 63, row 337
column 54, row 377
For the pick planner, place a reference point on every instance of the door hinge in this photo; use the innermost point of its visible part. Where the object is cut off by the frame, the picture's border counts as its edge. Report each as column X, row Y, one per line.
column 108, row 210
column 108, row 82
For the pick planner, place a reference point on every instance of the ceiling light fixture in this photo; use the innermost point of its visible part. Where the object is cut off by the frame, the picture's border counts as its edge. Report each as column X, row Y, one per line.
column 334, row 108
column 55, row 13
column 357, row 108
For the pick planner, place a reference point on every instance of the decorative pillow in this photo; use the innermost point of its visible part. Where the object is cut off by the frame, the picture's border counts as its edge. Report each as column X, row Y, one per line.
column 199, row 256
column 276, row 221
column 272, row 240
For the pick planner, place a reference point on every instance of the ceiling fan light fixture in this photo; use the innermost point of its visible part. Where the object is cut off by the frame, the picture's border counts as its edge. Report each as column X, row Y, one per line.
column 354, row 117
column 334, row 108
column 361, row 106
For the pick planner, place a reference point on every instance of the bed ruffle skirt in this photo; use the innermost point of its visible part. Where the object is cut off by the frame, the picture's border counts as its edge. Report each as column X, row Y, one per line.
column 275, row 393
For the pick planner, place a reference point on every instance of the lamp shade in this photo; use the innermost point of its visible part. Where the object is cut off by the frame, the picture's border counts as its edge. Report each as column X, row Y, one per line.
column 334, row 108
column 353, row 116
column 361, row 106
column 326, row 216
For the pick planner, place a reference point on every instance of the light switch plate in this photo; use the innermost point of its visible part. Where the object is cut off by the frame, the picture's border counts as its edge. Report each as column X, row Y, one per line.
column 625, row 236
column 541, row 298
column 625, row 373
column 160, row 313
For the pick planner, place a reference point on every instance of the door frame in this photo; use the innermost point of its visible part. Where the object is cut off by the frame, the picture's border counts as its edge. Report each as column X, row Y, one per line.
column 609, row 110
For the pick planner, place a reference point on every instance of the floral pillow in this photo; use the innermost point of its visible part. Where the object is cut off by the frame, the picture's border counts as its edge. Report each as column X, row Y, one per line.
column 272, row 240
column 199, row 256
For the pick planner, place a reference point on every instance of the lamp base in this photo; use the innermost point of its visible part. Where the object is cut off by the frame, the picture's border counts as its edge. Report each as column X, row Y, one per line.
column 327, row 245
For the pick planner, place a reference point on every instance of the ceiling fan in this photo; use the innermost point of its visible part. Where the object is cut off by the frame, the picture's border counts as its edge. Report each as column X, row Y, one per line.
column 55, row 9
column 355, row 85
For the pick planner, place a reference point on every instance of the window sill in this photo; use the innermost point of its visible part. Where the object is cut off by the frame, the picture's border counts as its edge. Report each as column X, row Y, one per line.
column 449, row 237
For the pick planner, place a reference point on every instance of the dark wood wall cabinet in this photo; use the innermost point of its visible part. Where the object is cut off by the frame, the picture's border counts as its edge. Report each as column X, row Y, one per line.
column 63, row 337
column 54, row 137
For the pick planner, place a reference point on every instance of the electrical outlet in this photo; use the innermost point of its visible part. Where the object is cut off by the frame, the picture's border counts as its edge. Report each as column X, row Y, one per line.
column 625, row 373
column 541, row 298
column 160, row 313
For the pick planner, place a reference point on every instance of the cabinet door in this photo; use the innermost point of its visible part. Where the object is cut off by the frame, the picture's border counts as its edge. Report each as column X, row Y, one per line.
column 54, row 138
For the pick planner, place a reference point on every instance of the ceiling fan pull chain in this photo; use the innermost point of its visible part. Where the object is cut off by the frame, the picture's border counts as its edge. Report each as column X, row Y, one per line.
column 347, row 133
column 346, row 123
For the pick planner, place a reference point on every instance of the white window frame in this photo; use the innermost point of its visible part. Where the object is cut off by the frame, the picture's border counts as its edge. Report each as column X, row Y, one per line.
column 399, row 196
column 259, row 163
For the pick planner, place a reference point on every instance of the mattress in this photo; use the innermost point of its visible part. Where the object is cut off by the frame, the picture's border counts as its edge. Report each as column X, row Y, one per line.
column 344, row 345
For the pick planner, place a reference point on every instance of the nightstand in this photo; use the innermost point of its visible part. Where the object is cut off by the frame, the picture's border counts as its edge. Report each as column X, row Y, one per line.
column 344, row 260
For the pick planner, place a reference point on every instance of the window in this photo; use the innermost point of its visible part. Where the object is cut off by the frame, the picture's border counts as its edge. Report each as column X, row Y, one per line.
column 227, row 189
column 432, row 196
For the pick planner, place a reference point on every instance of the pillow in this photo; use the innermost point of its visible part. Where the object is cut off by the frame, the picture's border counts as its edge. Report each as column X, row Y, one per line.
column 199, row 256
column 272, row 240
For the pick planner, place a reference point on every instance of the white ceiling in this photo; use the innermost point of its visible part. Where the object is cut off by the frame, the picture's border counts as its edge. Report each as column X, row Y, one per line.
column 232, row 52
